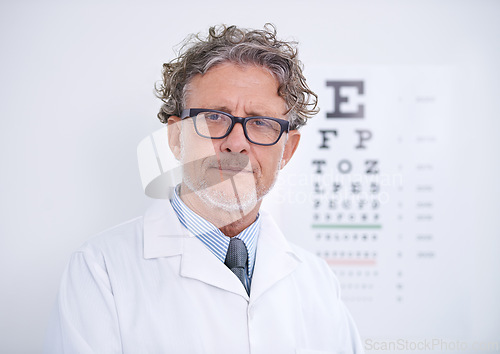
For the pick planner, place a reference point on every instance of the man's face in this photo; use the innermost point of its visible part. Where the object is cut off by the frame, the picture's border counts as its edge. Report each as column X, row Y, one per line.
column 232, row 173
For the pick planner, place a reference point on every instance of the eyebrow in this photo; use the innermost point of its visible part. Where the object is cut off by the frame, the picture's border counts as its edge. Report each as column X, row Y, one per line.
column 251, row 114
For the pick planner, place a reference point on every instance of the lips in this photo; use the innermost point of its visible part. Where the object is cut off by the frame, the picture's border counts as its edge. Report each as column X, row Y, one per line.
column 229, row 163
column 230, row 169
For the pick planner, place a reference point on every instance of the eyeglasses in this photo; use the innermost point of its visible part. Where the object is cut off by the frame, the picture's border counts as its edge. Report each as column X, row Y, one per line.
column 213, row 124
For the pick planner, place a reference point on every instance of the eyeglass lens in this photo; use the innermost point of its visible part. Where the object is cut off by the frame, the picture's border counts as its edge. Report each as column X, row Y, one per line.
column 259, row 130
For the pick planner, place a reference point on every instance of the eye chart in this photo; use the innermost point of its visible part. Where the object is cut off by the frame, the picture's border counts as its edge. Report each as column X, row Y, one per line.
column 369, row 191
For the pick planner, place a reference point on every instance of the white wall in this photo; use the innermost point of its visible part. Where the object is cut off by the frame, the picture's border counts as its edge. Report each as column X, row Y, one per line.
column 76, row 88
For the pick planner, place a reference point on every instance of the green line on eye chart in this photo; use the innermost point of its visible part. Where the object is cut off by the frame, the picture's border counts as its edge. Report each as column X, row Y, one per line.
column 346, row 226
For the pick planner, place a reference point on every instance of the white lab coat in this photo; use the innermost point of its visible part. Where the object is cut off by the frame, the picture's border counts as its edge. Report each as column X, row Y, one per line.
column 148, row 286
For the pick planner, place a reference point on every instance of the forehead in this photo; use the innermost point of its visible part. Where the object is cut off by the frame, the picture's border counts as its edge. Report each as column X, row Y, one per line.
column 240, row 89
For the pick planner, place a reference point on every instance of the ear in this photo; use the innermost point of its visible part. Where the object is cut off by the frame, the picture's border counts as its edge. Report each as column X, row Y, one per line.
column 174, row 135
column 291, row 145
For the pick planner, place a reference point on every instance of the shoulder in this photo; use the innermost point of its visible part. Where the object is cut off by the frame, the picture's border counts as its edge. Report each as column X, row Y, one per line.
column 99, row 258
column 122, row 239
column 311, row 268
column 309, row 258
column 317, row 268
column 306, row 257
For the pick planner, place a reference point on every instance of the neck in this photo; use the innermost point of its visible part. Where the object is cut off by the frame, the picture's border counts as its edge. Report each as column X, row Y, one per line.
column 230, row 223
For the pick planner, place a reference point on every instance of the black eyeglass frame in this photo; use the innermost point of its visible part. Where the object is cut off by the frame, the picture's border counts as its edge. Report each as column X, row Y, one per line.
column 193, row 113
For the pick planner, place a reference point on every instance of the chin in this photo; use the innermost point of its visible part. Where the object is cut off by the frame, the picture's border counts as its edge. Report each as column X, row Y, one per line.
column 239, row 194
column 230, row 204
column 224, row 196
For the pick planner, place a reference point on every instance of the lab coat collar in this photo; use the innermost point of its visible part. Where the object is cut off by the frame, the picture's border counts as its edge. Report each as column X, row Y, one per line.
column 163, row 233
column 274, row 260
column 164, row 236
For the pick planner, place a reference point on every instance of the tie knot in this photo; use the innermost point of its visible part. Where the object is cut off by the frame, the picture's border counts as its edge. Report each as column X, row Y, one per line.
column 237, row 255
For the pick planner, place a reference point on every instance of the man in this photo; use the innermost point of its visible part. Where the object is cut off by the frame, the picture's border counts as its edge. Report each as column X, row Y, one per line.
column 207, row 271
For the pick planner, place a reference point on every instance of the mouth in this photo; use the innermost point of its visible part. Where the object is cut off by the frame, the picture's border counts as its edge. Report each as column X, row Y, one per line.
column 231, row 170
column 228, row 166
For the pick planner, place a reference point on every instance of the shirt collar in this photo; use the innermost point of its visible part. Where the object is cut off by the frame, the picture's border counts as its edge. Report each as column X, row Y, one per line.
column 211, row 236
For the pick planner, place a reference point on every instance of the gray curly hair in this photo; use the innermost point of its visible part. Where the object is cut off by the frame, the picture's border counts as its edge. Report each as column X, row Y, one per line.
column 239, row 46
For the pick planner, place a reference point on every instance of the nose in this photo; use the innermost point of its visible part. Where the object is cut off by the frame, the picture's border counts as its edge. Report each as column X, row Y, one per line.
column 236, row 141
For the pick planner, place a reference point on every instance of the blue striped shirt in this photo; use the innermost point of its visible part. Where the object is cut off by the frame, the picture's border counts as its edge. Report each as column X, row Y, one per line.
column 212, row 237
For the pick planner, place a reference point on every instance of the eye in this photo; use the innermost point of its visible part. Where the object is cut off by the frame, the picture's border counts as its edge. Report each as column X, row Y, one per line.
column 214, row 117
column 261, row 123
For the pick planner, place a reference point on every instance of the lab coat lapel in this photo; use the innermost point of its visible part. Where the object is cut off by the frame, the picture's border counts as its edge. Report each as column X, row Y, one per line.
column 274, row 260
column 198, row 262
column 163, row 233
column 164, row 236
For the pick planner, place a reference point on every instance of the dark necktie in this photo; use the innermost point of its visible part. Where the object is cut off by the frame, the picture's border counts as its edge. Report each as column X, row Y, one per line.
column 236, row 260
